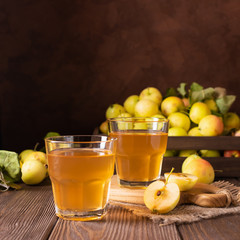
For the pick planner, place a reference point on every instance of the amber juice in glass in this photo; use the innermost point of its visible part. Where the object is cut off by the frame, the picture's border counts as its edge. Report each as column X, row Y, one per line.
column 80, row 174
column 140, row 150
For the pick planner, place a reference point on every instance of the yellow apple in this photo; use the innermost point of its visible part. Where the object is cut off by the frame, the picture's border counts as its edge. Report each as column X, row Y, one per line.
column 185, row 181
column 151, row 93
column 211, row 125
column 171, row 104
column 146, row 108
column 198, row 111
column 24, row 154
column 33, row 172
column 104, row 127
column 200, row 168
column 130, row 103
column 37, row 155
column 194, row 132
column 231, row 120
column 178, row 119
column 189, row 159
column 211, row 103
column 186, row 153
column 160, row 197
column 177, row 131
column 210, row 153
column 114, row 110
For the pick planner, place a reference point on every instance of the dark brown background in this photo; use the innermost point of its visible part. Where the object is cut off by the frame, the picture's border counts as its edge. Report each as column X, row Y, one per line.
column 62, row 63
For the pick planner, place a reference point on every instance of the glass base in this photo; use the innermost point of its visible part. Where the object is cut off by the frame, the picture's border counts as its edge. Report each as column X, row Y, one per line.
column 133, row 184
column 81, row 216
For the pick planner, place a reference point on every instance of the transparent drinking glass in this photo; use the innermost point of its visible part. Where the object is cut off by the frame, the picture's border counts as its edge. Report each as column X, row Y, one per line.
column 80, row 168
column 141, row 144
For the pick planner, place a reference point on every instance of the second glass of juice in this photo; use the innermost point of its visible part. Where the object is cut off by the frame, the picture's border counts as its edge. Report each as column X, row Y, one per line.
column 80, row 169
column 141, row 144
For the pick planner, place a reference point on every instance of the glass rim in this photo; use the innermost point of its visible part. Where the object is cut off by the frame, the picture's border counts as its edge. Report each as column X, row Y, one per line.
column 139, row 119
column 66, row 139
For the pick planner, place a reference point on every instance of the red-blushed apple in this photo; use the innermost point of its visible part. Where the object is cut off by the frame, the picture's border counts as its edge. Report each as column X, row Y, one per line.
column 211, row 125
column 130, row 103
column 172, row 104
column 185, row 181
column 237, row 133
column 200, row 168
column 114, row 110
column 198, row 111
column 146, row 108
column 151, row 93
column 231, row 120
column 178, row 119
column 231, row 153
column 189, row 159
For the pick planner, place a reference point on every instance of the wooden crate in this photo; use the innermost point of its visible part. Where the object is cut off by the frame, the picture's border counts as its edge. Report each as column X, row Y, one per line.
column 224, row 167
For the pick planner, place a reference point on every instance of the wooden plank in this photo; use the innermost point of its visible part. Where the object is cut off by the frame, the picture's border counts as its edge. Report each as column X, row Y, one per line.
column 224, row 167
column 209, row 143
column 28, row 213
column 118, row 224
column 221, row 228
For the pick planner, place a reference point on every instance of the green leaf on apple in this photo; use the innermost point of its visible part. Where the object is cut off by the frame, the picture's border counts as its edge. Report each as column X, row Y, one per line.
column 195, row 87
column 224, row 103
column 181, row 89
column 198, row 96
column 171, row 92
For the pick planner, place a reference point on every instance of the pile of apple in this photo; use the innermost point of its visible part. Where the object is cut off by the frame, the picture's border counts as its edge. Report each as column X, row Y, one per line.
column 193, row 112
column 162, row 197
column 33, row 166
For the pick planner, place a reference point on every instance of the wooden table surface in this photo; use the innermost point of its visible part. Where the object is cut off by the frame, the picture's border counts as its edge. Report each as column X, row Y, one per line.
column 29, row 214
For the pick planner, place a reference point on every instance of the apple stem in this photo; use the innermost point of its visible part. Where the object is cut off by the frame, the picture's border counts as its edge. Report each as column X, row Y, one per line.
column 169, row 176
column 35, row 147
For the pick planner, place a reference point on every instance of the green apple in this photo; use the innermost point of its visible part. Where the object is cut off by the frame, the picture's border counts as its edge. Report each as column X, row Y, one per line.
column 231, row 120
column 170, row 153
column 210, row 153
column 171, row 104
column 194, row 132
column 177, row 131
column 104, row 127
column 178, row 119
column 185, row 181
column 114, row 110
column 37, row 155
column 151, row 93
column 161, row 197
column 200, row 168
column 211, row 125
column 33, row 172
column 186, row 153
column 146, row 108
column 211, row 103
column 130, row 103
column 198, row 111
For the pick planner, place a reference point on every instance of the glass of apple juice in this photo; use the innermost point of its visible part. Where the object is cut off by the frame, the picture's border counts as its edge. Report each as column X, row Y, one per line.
column 141, row 144
column 80, row 169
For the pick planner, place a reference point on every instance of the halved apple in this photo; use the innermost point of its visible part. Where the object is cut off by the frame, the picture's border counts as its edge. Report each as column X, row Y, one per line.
column 160, row 197
column 185, row 181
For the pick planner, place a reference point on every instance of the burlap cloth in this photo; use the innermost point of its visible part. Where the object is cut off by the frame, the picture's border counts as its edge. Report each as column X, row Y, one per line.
column 187, row 213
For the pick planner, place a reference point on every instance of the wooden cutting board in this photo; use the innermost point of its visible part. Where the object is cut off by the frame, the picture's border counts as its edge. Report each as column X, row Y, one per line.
column 201, row 194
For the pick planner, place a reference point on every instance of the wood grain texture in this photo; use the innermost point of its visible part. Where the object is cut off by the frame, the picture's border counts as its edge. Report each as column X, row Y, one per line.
column 220, row 228
column 28, row 213
column 117, row 224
